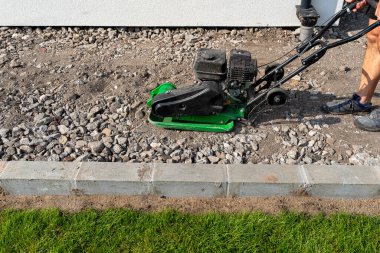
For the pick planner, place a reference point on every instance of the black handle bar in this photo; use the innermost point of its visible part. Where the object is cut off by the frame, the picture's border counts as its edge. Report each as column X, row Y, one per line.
column 373, row 3
column 312, row 43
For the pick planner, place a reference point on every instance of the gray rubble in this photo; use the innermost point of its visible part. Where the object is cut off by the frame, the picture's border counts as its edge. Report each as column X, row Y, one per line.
column 43, row 121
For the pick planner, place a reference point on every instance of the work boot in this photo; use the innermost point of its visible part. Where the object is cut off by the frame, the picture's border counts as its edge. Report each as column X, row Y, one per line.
column 348, row 106
column 369, row 122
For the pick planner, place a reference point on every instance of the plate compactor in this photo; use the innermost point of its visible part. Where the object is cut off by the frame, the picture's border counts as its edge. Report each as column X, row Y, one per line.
column 231, row 92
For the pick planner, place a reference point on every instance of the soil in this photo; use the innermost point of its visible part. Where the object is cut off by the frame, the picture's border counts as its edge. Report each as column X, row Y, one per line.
column 272, row 205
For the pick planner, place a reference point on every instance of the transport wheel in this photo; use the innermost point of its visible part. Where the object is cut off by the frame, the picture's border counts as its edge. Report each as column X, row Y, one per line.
column 275, row 76
column 277, row 96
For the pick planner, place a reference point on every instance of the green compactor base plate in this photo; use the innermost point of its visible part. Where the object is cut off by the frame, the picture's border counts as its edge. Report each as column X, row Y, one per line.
column 221, row 122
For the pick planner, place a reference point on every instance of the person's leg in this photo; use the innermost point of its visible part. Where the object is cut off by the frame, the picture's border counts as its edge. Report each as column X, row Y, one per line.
column 369, row 80
column 371, row 67
column 361, row 100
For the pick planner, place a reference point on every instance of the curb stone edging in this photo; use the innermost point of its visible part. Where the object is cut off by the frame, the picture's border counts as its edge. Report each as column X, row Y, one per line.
column 189, row 180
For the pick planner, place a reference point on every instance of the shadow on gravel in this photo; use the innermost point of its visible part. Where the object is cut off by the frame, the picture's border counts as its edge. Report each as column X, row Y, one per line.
column 301, row 106
column 353, row 23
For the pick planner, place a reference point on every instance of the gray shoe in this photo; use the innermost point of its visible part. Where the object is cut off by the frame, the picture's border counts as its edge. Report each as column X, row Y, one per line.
column 370, row 122
column 348, row 106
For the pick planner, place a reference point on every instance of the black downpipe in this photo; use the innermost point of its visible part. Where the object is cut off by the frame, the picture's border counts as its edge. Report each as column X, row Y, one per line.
column 308, row 17
column 305, row 4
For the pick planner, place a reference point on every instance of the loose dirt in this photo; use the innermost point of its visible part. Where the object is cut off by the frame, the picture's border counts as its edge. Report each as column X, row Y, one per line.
column 67, row 72
column 272, row 205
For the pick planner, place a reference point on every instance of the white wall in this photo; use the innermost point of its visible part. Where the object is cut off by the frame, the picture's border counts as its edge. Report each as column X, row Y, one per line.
column 157, row 12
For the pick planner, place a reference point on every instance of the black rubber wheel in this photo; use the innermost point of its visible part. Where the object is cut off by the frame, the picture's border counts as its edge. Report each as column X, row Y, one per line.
column 277, row 96
column 275, row 76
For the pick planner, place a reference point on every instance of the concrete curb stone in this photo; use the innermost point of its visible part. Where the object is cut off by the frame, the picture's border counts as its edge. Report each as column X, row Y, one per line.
column 189, row 180
column 343, row 181
column 114, row 179
column 3, row 165
column 264, row 180
column 39, row 178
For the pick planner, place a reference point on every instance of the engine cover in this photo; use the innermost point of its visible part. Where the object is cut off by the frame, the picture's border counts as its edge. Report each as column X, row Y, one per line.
column 199, row 99
column 242, row 68
column 210, row 65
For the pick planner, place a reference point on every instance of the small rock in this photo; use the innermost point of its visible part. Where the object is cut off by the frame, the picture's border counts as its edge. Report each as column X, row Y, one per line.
column 344, row 68
column 293, row 140
column 45, row 121
column 330, row 151
column 307, row 160
column 155, row 145
column 43, row 98
column 213, row 159
column 139, row 114
column 255, row 146
column 296, row 78
column 94, row 110
column 54, row 158
column 92, row 126
column 68, row 150
column 114, row 106
column 311, row 143
column 3, row 58
column 107, row 132
column 83, row 158
column 357, row 148
column 290, row 161
column 10, row 151
column 4, row 132
column 15, row 64
column 24, row 141
column 96, row 146
column 303, row 128
column 285, row 129
column 62, row 140
column 63, row 129
column 117, row 149
column 302, row 143
column 39, row 117
column 330, row 141
column 121, row 140
column 364, row 159
column 26, row 149
column 293, row 154
column 80, row 144
column 135, row 105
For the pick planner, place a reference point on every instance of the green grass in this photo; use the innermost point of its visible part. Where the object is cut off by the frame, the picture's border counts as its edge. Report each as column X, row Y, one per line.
column 131, row 231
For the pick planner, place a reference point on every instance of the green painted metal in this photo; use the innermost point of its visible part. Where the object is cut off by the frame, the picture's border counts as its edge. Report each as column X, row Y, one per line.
column 160, row 89
column 173, row 123
column 221, row 122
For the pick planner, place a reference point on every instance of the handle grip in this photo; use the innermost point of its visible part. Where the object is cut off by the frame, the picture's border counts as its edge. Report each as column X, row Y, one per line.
column 352, row 5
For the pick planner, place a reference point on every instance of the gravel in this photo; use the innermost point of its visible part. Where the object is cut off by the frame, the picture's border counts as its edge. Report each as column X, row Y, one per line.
column 102, row 135
column 71, row 94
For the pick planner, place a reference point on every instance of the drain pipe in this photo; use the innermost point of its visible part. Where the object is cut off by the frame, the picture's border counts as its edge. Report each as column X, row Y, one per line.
column 308, row 17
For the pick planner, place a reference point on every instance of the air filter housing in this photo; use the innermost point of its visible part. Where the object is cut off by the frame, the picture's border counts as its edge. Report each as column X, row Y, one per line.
column 242, row 68
column 210, row 65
